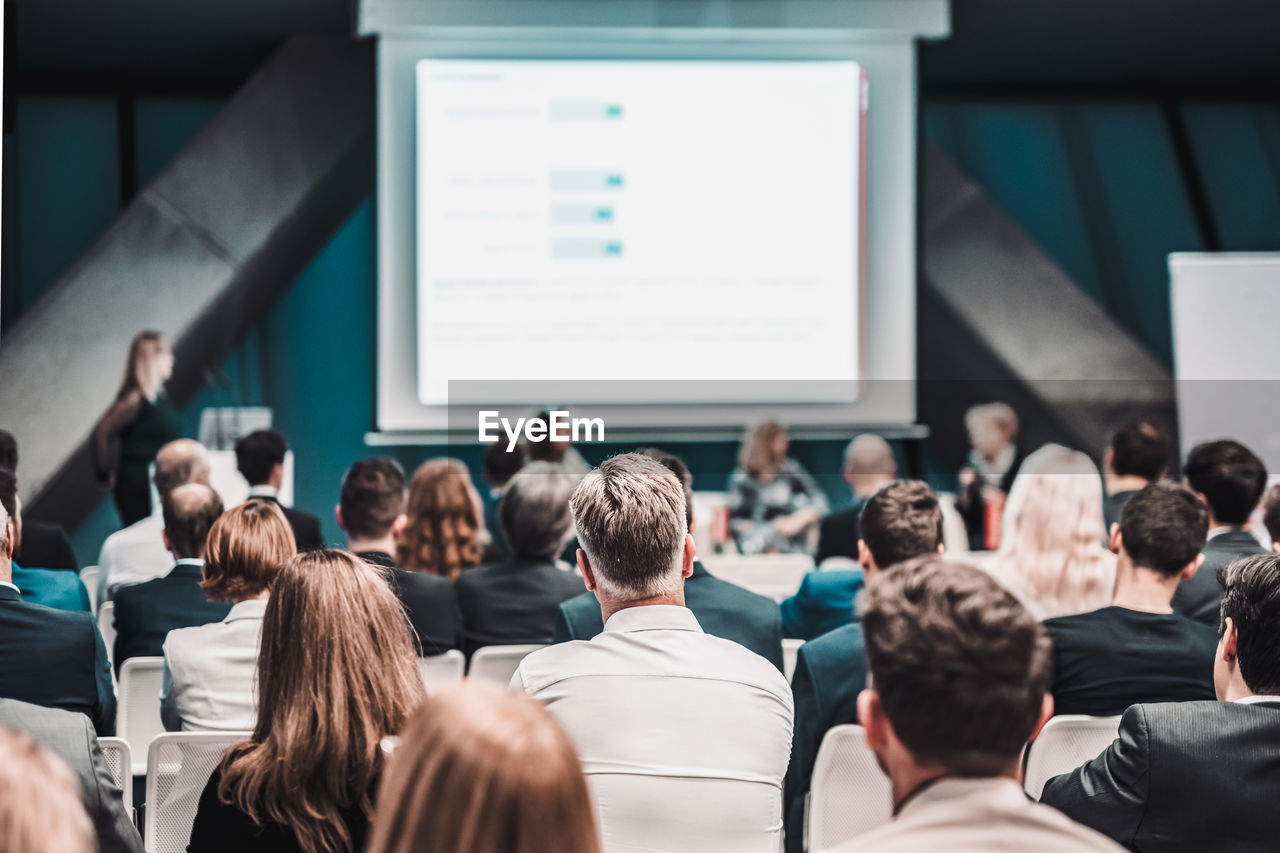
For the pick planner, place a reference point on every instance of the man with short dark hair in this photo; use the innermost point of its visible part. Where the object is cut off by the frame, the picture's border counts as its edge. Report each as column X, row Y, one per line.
column 145, row 613
column 959, row 683
column 1271, row 515
column 43, row 546
column 1139, row 649
column 370, row 511
column 1192, row 776
column 723, row 609
column 902, row 521
column 1138, row 455
column 260, row 460
column 1229, row 478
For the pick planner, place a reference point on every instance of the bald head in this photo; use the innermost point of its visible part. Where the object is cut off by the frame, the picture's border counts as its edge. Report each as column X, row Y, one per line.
column 181, row 462
column 189, row 513
column 868, row 464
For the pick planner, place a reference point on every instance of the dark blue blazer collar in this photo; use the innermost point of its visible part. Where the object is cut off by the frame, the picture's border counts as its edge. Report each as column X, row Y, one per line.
column 8, row 593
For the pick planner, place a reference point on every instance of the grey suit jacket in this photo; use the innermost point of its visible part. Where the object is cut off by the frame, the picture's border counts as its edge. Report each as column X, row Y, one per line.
column 70, row 736
column 1200, row 597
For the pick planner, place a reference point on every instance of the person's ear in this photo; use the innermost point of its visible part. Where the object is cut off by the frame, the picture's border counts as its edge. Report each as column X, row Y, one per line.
column 337, row 516
column 584, row 566
column 864, row 558
column 398, row 526
column 690, row 551
column 1117, row 541
column 1275, row 546
column 10, row 534
column 872, row 718
column 165, row 535
column 942, row 548
column 1108, row 460
column 693, row 521
column 1046, row 713
column 1230, row 640
column 1191, row 568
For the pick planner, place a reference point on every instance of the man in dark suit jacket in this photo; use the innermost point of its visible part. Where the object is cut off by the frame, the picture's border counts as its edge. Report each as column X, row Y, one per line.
column 146, row 612
column 1230, row 479
column 868, row 465
column 900, row 522
column 371, row 512
column 70, row 737
column 1198, row 775
column 260, row 459
column 40, row 545
column 54, row 658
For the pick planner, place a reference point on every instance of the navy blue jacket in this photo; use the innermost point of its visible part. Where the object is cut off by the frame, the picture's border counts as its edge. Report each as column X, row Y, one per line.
column 147, row 612
column 823, row 603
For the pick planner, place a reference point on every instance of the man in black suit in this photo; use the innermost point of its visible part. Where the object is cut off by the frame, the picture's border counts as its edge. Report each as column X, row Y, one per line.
column 1138, row 455
column 146, row 612
column 260, row 458
column 1199, row 775
column 518, row 600
column 54, row 658
column 43, row 546
column 1229, row 478
column 1138, row 649
column 723, row 609
column 70, row 737
column 371, row 512
column 868, row 465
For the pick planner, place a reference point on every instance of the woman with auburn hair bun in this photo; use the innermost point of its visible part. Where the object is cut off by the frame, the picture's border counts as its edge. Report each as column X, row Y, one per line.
column 445, row 533
column 337, row 673
column 481, row 769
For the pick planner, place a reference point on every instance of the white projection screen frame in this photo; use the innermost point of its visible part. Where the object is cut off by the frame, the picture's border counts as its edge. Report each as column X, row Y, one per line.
column 885, row 49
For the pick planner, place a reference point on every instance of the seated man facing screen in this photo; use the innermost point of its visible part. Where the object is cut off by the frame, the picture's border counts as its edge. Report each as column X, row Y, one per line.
column 868, row 465
column 1138, row 649
column 682, row 735
column 1192, row 776
column 56, row 588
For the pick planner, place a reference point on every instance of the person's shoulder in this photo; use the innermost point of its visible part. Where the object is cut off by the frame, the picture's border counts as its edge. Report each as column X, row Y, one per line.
column 731, row 594
column 1078, row 622
column 836, row 641
column 39, row 719
column 821, row 583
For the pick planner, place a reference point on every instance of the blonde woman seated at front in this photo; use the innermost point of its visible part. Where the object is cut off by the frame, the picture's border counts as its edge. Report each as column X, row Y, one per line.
column 209, row 669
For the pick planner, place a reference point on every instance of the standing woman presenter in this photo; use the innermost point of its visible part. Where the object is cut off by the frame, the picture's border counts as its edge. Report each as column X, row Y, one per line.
column 139, row 422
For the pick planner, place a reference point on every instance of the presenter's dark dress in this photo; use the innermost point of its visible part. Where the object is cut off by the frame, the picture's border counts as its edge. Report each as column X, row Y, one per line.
column 141, row 428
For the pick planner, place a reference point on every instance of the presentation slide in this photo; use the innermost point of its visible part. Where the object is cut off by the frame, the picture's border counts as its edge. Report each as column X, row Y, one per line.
column 597, row 221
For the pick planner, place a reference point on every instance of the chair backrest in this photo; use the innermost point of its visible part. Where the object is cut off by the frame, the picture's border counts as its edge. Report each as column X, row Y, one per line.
column 790, row 652
column 839, row 564
column 1064, row 744
column 178, row 767
column 850, row 794
column 107, row 625
column 119, row 761
column 499, row 663
column 439, row 671
column 138, row 717
column 89, row 577
column 773, row 575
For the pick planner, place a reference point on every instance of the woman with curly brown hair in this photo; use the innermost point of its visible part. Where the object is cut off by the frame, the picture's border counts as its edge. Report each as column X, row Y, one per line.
column 445, row 532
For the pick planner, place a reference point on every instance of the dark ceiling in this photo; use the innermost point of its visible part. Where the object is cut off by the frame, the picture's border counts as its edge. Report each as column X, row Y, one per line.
column 999, row 42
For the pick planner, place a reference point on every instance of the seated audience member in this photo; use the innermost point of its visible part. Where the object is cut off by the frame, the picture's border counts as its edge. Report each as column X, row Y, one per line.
column 370, row 512
column 498, row 467
column 722, row 609
column 518, row 600
column 444, row 533
column 561, row 453
column 260, row 460
column 868, row 465
column 1192, row 776
column 147, row 612
column 523, row 791
column 54, row 588
column 990, row 469
column 1229, row 478
column 1138, row 649
column 1051, row 553
column 683, row 736
column 900, row 522
column 960, row 675
column 70, row 736
column 209, row 669
column 1271, row 516
column 40, row 809
column 773, row 502
column 306, row 779
column 44, row 546
column 48, row 657
column 138, row 553
column 1138, row 455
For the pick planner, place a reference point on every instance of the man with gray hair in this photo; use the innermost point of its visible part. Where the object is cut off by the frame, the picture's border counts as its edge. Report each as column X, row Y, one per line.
column 138, row 553
column 684, row 737
column 868, row 465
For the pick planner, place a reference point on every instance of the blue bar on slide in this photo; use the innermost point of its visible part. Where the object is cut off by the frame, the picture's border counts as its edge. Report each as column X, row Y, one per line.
column 585, row 180
column 585, row 111
column 585, row 249
column 581, row 214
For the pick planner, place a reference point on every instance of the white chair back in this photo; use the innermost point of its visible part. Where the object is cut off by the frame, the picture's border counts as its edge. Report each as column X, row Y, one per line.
column 138, row 716
column 839, row 564
column 499, row 663
column 776, row 576
column 178, row 767
column 790, row 652
column 850, row 794
column 107, row 626
column 89, row 577
column 439, row 671
column 116, row 752
column 1064, row 744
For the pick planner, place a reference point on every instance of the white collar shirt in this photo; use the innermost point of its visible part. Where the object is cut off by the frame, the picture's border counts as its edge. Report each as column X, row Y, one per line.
column 684, row 737
column 135, row 554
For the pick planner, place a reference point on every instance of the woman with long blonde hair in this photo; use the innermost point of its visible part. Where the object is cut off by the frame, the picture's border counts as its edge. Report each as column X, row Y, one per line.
column 481, row 769
column 337, row 673
column 139, row 422
column 445, row 532
column 1051, row 550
